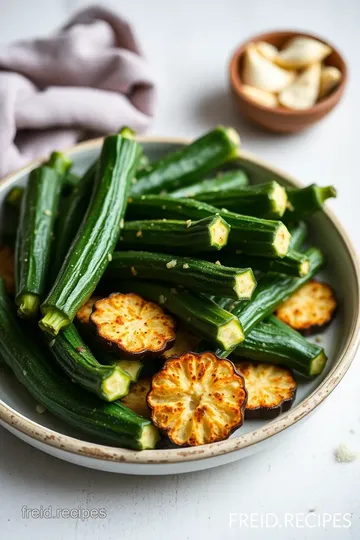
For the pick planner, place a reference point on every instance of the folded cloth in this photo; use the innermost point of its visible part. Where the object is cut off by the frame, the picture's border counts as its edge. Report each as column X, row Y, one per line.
column 90, row 78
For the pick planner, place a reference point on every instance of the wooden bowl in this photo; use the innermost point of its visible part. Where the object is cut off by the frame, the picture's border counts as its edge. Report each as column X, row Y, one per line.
column 280, row 119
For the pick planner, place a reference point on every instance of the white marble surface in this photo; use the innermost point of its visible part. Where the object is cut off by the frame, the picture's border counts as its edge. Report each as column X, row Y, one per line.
column 189, row 44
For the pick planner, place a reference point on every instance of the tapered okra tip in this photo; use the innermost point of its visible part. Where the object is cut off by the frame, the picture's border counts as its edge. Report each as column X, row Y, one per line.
column 53, row 321
column 327, row 192
column 60, row 162
column 127, row 132
column 28, row 305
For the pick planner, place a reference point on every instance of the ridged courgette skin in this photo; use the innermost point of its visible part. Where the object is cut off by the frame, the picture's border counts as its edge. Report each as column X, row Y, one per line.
column 69, row 220
column 271, row 291
column 60, row 163
column 249, row 235
column 299, row 232
column 306, row 201
column 110, row 423
column 95, row 241
column 201, row 276
column 266, row 201
column 274, row 342
column 33, row 242
column 175, row 236
column 196, row 310
column 293, row 264
column 78, row 362
column 189, row 164
column 223, row 181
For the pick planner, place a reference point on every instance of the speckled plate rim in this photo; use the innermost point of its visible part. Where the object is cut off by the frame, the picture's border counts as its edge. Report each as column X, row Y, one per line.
column 98, row 451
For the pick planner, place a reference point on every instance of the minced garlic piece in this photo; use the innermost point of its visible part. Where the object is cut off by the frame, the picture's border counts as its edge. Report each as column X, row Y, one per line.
column 40, row 408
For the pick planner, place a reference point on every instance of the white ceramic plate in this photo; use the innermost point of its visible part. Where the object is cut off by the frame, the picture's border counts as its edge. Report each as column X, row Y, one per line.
column 341, row 339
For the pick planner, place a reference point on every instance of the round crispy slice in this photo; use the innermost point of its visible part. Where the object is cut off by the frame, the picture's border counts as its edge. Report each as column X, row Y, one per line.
column 83, row 315
column 136, row 398
column 310, row 308
column 133, row 326
column 185, row 342
column 197, row 399
column 271, row 389
column 7, row 272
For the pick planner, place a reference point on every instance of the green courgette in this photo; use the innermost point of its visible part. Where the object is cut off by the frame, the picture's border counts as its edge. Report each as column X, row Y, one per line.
column 274, row 342
column 250, row 235
column 301, row 202
column 201, row 276
column 60, row 163
column 299, row 232
column 266, row 201
column 272, row 290
column 34, row 235
column 200, row 313
column 77, row 361
column 69, row 220
column 92, row 248
column 71, row 180
column 293, row 264
column 207, row 234
column 306, row 201
column 110, row 423
column 132, row 367
column 189, row 164
column 221, row 182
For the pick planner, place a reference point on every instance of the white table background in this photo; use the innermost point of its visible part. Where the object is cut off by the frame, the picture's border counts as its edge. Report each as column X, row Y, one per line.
column 189, row 44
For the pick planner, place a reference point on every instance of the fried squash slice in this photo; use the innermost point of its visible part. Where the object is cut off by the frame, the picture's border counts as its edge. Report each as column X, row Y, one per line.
column 197, row 399
column 133, row 327
column 136, row 398
column 83, row 315
column 271, row 389
column 7, row 272
column 185, row 342
column 310, row 308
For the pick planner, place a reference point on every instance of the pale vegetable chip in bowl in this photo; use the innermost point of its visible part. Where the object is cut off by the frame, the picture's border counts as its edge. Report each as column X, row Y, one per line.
column 287, row 81
column 301, row 52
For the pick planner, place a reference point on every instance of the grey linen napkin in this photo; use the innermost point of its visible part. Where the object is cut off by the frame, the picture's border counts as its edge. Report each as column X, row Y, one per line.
column 89, row 78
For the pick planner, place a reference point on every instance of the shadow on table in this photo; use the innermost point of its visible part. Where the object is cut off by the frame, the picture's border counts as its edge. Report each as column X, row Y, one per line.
column 218, row 107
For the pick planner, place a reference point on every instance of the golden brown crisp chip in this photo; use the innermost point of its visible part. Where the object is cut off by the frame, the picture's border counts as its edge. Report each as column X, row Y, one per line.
column 197, row 399
column 310, row 308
